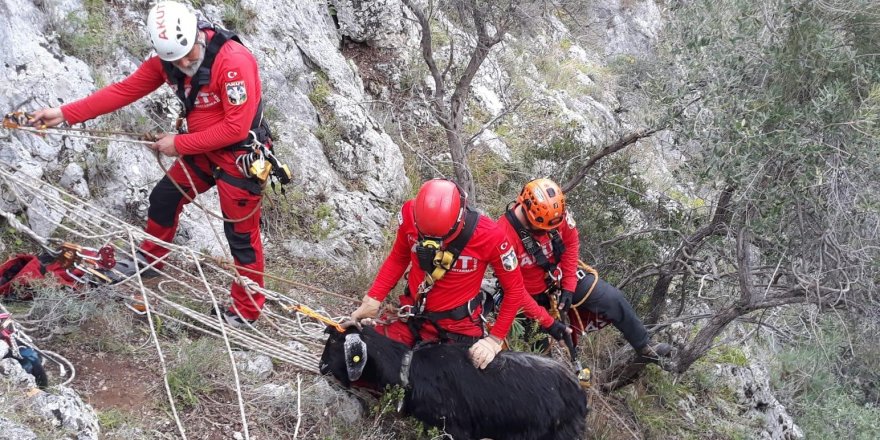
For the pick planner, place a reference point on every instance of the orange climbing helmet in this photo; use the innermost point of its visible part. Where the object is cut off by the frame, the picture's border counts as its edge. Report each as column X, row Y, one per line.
column 544, row 204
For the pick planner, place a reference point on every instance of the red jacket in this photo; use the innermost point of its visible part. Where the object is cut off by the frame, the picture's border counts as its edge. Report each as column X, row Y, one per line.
column 487, row 246
column 533, row 275
column 216, row 121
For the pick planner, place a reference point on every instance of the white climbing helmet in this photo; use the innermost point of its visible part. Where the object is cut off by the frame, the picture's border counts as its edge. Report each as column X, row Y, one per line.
column 173, row 30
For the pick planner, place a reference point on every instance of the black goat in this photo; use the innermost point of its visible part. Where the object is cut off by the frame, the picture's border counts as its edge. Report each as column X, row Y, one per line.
column 518, row 396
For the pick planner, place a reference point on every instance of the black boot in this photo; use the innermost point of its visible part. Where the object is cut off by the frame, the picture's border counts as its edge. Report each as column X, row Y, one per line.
column 653, row 351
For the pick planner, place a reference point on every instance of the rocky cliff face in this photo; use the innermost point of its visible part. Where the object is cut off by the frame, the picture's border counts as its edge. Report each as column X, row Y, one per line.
column 359, row 175
column 324, row 108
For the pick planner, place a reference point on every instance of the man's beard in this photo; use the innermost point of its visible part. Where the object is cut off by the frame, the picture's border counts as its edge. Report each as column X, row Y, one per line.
column 194, row 67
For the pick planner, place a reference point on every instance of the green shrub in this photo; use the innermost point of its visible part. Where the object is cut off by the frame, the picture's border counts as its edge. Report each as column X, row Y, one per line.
column 827, row 383
column 91, row 38
column 192, row 372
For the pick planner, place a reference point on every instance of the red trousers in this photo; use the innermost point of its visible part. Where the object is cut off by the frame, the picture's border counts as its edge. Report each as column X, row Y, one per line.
column 237, row 200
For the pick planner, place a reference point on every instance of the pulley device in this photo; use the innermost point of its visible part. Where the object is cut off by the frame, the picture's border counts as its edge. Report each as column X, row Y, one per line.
column 80, row 260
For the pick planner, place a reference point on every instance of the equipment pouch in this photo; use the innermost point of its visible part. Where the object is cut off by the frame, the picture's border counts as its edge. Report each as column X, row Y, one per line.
column 425, row 253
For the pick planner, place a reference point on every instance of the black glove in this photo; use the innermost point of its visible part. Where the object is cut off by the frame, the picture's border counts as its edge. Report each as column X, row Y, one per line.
column 565, row 300
column 557, row 330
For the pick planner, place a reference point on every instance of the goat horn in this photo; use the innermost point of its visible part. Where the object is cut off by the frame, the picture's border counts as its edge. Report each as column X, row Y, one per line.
column 349, row 322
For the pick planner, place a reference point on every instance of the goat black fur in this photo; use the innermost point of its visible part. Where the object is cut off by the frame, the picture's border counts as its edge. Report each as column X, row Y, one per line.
column 518, row 396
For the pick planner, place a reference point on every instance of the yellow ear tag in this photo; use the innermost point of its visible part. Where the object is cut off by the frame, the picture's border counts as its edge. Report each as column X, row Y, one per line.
column 356, row 359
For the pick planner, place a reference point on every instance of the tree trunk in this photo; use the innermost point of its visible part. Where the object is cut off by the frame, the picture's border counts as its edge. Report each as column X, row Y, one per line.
column 459, row 163
column 703, row 341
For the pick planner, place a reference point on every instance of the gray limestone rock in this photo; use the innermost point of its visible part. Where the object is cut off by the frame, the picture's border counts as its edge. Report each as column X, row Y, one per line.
column 751, row 386
column 378, row 23
column 64, row 408
column 73, row 179
column 10, row 430
column 13, row 374
column 256, row 365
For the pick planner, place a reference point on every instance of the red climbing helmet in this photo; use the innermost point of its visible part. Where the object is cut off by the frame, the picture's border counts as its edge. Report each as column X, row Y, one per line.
column 544, row 204
column 439, row 209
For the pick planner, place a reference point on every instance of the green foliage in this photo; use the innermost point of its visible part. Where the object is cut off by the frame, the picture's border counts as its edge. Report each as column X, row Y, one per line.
column 329, row 133
column 190, row 376
column 237, row 17
column 830, row 382
column 87, row 34
column 791, row 108
column 526, row 335
column 111, row 419
column 324, row 222
column 321, row 89
column 439, row 35
column 651, row 406
column 727, row 354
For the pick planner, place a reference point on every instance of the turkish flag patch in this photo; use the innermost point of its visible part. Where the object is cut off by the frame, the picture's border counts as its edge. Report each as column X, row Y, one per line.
column 236, row 92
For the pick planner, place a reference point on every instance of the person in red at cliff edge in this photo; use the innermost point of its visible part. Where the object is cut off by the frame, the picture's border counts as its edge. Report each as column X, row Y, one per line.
column 448, row 248
column 217, row 80
column 547, row 243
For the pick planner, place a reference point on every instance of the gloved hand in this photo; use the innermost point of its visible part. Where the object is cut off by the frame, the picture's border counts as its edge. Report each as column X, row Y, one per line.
column 565, row 300
column 484, row 350
column 557, row 330
column 369, row 309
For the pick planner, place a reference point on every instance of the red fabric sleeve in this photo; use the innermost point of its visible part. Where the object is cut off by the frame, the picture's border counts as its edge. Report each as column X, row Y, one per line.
column 533, row 311
column 147, row 78
column 234, row 66
column 397, row 261
column 569, row 259
column 506, row 266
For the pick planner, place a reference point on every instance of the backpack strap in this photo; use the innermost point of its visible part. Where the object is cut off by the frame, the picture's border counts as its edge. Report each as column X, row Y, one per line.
column 443, row 263
column 203, row 75
column 533, row 248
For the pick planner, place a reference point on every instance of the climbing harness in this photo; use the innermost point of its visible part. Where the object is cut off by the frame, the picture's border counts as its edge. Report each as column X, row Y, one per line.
column 258, row 162
column 553, row 282
column 436, row 262
column 554, row 275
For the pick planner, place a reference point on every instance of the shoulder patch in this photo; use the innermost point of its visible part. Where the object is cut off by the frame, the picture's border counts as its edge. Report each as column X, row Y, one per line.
column 569, row 219
column 399, row 218
column 509, row 261
column 236, row 92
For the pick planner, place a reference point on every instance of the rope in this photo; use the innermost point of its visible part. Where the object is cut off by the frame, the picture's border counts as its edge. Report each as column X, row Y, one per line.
column 11, row 124
column 158, row 347
column 104, row 223
column 229, row 351
column 192, row 199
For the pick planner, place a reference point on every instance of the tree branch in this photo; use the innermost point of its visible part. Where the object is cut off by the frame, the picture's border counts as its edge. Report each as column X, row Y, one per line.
column 427, row 50
column 621, row 144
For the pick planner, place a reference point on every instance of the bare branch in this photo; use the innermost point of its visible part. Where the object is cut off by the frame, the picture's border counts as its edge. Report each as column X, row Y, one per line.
column 492, row 121
column 427, row 50
column 621, row 144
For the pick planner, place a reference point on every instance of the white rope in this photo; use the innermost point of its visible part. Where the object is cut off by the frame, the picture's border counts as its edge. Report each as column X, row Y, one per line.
column 228, row 350
column 109, row 226
column 158, row 348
